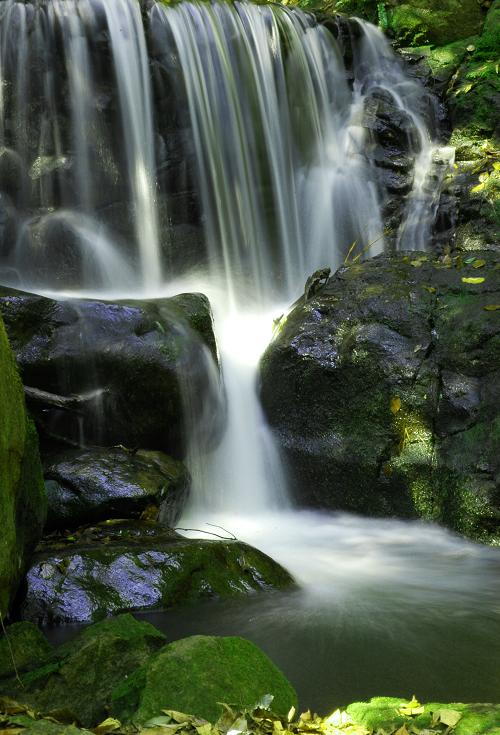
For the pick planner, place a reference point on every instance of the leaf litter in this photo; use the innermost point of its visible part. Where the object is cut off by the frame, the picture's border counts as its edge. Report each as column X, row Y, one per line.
column 16, row 719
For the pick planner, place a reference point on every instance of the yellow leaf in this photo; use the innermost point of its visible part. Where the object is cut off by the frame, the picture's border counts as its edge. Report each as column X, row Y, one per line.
column 412, row 708
column 496, row 166
column 418, row 262
column 291, row 714
column 395, row 404
column 474, row 281
column 108, row 725
column 430, row 289
column 449, row 717
column 479, row 263
column 484, row 176
column 492, row 307
column 402, row 731
column 478, row 188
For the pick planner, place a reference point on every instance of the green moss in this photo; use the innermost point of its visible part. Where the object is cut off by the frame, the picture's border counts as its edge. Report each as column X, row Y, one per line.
column 195, row 674
column 23, row 645
column 383, row 713
column 22, row 497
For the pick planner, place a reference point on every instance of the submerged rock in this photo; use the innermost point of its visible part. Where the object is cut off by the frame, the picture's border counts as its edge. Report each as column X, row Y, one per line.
column 22, row 497
column 91, row 485
column 196, row 674
column 117, row 373
column 383, row 391
column 77, row 681
column 119, row 566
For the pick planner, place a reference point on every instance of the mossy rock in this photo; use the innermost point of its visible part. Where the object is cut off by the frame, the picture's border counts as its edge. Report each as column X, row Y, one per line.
column 194, row 675
column 78, row 679
column 383, row 713
column 383, row 391
column 118, row 566
column 416, row 22
column 23, row 646
column 22, row 494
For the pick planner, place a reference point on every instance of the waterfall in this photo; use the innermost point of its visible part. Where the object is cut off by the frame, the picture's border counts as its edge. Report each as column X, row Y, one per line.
column 124, row 123
column 73, row 152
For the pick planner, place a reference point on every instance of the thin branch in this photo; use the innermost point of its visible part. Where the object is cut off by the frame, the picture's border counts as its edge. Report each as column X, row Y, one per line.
column 10, row 651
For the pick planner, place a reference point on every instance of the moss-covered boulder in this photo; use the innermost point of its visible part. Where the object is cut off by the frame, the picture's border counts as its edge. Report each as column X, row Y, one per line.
column 119, row 566
column 95, row 484
column 383, row 391
column 196, row 674
column 22, row 646
column 414, row 22
column 22, row 494
column 117, row 373
column 77, row 681
column 384, row 713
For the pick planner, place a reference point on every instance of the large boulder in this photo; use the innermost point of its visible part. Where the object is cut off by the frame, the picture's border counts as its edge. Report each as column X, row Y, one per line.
column 117, row 373
column 76, row 682
column 119, row 566
column 22, row 494
column 383, row 391
column 95, row 484
column 196, row 674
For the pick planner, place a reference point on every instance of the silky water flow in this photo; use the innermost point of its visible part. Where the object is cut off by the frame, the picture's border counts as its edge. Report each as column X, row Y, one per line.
column 270, row 119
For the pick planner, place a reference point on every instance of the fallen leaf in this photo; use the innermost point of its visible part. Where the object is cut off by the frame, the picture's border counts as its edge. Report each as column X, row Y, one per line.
column 448, row 717
column 108, row 725
column 291, row 714
column 474, row 281
column 492, row 307
column 479, row 263
column 412, row 708
column 478, row 188
column 470, row 260
column 395, row 404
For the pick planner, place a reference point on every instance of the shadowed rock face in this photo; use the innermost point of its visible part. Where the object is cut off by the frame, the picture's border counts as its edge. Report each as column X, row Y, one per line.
column 22, row 498
column 91, row 485
column 117, row 373
column 120, row 566
column 383, row 391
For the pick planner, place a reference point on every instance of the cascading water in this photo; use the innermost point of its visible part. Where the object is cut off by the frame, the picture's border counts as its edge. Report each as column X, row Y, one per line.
column 272, row 141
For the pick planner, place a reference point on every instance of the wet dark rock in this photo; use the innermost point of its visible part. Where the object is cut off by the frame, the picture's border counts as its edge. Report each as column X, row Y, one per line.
column 76, row 681
column 383, row 391
column 91, row 485
column 119, row 566
column 117, row 373
column 196, row 674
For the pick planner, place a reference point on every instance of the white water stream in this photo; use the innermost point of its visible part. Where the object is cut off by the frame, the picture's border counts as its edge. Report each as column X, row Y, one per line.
column 276, row 123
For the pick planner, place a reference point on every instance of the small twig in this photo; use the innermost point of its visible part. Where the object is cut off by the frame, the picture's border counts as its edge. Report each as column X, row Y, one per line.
column 231, row 534
column 232, row 537
column 10, row 651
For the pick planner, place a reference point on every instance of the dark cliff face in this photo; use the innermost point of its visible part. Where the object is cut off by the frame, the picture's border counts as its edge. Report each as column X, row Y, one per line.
column 383, row 391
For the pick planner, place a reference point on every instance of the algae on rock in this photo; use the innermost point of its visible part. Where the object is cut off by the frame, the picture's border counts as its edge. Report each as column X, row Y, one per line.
column 196, row 674
column 22, row 494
